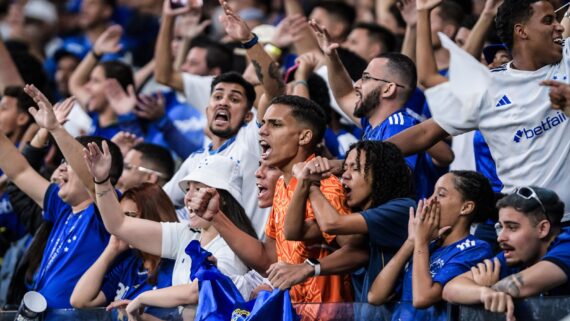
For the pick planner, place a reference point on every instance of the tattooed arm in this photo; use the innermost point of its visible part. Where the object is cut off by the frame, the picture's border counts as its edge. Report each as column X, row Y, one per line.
column 266, row 69
column 540, row 277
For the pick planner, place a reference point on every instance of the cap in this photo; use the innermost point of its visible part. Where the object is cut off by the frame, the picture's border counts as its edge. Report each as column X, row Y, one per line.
column 216, row 171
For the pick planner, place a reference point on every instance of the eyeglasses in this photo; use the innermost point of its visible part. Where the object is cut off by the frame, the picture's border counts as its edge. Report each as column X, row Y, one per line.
column 367, row 76
column 129, row 167
column 528, row 193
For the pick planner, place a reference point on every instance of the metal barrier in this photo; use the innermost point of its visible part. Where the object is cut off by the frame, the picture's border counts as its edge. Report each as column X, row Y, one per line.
column 531, row 309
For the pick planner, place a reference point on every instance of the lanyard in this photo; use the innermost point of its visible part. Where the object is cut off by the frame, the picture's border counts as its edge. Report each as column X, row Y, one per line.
column 59, row 243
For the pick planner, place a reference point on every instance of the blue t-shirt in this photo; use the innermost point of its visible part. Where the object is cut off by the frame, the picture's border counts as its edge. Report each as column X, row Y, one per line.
column 558, row 253
column 180, row 119
column 74, row 244
column 128, row 278
column 127, row 123
column 339, row 143
column 484, row 162
column 394, row 124
column 387, row 231
column 445, row 264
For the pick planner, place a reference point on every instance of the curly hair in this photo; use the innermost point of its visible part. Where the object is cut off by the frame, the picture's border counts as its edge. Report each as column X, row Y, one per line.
column 510, row 13
column 475, row 187
column 391, row 176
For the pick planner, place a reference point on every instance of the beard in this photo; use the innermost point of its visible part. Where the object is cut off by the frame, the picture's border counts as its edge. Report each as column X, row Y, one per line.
column 368, row 104
column 222, row 133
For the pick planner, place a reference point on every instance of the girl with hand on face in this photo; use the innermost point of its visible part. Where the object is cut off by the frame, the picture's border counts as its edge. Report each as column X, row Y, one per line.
column 439, row 247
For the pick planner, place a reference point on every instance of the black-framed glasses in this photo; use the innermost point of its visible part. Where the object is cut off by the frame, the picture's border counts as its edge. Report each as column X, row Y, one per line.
column 528, row 193
column 367, row 76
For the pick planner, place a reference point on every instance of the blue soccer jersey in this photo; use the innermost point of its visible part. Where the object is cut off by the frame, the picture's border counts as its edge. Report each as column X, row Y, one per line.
column 558, row 253
column 74, row 244
column 445, row 264
column 128, row 278
column 394, row 124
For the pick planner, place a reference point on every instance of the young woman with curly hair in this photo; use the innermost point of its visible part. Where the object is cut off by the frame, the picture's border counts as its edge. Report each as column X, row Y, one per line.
column 379, row 190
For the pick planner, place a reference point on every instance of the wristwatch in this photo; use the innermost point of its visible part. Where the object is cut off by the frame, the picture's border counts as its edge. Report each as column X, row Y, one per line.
column 315, row 264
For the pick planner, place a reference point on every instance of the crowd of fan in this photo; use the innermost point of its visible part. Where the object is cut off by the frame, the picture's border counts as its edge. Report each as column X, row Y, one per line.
column 408, row 153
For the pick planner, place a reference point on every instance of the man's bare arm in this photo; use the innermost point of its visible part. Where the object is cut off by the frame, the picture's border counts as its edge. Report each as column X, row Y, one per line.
column 17, row 169
column 339, row 79
column 538, row 278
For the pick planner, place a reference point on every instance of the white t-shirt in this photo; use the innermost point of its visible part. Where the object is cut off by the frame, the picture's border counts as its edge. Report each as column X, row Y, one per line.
column 528, row 139
column 175, row 238
column 244, row 149
column 197, row 90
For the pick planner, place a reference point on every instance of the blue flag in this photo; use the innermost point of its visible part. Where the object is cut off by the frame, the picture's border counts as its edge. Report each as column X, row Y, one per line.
column 220, row 300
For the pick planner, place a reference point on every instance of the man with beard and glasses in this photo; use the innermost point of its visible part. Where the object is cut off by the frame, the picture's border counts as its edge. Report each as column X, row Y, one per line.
column 377, row 102
column 535, row 257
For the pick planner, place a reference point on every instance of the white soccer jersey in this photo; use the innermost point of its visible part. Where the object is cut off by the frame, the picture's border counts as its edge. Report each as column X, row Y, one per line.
column 528, row 139
column 244, row 149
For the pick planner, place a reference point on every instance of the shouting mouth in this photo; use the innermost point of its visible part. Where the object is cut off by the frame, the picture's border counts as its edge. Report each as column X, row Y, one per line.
column 221, row 117
column 265, row 149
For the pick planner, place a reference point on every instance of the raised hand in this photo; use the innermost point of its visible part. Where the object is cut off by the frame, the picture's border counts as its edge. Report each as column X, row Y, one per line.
column 205, row 202
column 126, row 141
column 234, row 25
column 323, row 38
column 427, row 4
column 284, row 275
column 289, row 30
column 62, row 110
column 487, row 272
column 408, row 11
column 120, row 101
column 44, row 115
column 98, row 162
column 307, row 64
column 191, row 26
column 150, row 107
column 109, row 41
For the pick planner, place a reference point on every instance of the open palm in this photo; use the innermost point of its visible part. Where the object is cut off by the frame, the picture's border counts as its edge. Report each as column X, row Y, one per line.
column 98, row 162
column 44, row 114
column 234, row 25
column 323, row 38
column 109, row 40
column 120, row 101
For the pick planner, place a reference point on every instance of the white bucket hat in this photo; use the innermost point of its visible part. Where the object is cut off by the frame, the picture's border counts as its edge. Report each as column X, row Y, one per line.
column 216, row 171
